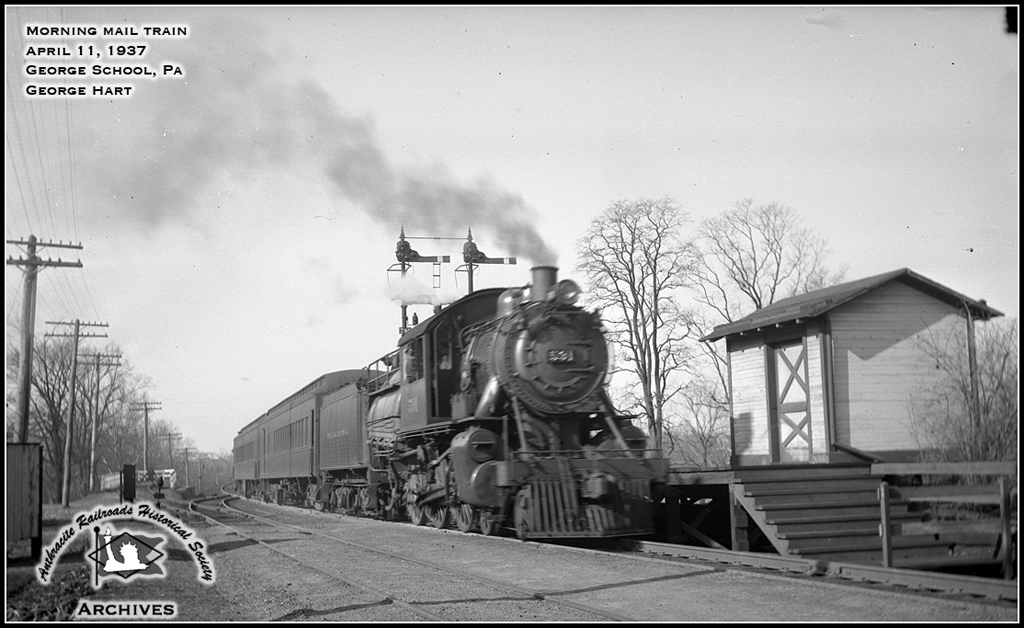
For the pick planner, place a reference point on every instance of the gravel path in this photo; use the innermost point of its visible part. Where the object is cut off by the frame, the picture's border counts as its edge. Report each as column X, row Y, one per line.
column 645, row 589
column 255, row 584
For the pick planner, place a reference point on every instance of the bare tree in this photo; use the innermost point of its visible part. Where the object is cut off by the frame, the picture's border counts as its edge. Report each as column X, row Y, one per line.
column 118, row 426
column 701, row 439
column 636, row 261
column 753, row 256
column 954, row 425
column 49, row 408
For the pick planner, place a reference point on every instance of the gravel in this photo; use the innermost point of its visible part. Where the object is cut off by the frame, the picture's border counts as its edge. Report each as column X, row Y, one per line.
column 255, row 584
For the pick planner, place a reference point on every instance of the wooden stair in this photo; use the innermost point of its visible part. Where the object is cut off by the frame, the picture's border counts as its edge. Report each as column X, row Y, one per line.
column 829, row 513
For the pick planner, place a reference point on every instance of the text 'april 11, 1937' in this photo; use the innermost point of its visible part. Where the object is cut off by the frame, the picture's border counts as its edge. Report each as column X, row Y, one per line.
column 105, row 61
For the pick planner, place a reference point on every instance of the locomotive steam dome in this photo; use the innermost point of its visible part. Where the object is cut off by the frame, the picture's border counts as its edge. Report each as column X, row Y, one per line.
column 550, row 354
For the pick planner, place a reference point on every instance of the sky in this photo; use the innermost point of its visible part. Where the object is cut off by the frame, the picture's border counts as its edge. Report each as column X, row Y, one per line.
column 238, row 215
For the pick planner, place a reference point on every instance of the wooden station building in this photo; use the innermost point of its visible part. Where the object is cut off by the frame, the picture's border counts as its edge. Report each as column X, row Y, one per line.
column 821, row 387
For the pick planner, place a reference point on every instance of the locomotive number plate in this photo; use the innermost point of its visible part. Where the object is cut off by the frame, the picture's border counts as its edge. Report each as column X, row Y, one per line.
column 560, row 356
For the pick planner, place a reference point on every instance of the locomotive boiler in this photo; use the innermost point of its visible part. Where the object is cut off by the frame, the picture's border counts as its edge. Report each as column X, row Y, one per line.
column 492, row 413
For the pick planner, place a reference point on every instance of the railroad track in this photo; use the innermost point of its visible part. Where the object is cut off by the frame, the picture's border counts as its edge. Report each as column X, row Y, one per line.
column 234, row 519
column 959, row 586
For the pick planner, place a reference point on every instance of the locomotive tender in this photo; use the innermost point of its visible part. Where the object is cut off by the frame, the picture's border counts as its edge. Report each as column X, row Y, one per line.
column 492, row 412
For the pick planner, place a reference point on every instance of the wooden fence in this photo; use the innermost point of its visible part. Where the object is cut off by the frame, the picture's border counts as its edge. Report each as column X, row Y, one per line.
column 998, row 494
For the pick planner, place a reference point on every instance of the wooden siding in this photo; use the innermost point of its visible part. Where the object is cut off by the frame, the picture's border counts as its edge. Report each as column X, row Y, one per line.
column 879, row 363
column 749, row 403
column 819, row 429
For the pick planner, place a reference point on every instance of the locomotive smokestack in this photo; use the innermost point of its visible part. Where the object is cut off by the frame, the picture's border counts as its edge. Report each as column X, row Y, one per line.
column 544, row 278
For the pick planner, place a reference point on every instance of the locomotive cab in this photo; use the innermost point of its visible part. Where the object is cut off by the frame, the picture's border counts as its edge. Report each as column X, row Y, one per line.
column 432, row 355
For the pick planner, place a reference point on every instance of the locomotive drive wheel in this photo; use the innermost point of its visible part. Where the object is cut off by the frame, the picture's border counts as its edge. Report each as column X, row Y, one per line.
column 523, row 516
column 488, row 527
column 416, row 513
column 344, row 498
column 439, row 514
column 465, row 517
column 388, row 499
column 439, row 511
column 360, row 498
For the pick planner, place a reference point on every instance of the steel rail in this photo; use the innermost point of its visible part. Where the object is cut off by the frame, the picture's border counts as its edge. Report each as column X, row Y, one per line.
column 528, row 593
column 990, row 588
column 387, row 598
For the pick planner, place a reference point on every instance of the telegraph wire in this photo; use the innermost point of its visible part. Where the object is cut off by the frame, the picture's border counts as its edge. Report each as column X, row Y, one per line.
column 17, row 178
column 42, row 168
column 63, row 158
column 14, row 162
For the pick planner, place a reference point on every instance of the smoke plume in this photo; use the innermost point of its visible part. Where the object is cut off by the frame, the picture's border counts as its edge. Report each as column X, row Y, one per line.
column 241, row 111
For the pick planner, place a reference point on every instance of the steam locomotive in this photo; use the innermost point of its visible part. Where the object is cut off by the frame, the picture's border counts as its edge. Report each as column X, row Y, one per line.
column 493, row 413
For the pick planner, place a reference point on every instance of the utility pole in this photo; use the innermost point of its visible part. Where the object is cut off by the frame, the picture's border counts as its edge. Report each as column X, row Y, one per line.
column 170, row 437
column 187, row 482
column 96, row 412
column 146, row 406
column 201, row 464
column 77, row 324
column 32, row 264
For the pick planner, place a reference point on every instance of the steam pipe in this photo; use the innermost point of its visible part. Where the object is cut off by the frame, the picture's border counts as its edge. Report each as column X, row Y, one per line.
column 488, row 399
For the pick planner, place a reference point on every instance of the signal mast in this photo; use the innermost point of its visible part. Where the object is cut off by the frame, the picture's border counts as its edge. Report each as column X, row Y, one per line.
column 407, row 256
column 472, row 256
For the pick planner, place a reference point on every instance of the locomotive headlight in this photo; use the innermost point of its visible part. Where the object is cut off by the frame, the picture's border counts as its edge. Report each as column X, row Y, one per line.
column 566, row 292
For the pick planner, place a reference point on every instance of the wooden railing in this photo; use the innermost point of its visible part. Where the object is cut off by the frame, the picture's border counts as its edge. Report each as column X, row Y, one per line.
column 999, row 493
column 857, row 453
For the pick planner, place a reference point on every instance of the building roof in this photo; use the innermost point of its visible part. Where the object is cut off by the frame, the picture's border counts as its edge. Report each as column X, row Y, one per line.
column 818, row 302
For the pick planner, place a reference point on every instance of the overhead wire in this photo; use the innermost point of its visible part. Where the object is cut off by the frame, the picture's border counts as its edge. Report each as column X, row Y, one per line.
column 50, row 148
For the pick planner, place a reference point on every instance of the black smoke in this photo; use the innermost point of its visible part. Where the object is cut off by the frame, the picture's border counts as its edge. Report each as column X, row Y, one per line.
column 242, row 111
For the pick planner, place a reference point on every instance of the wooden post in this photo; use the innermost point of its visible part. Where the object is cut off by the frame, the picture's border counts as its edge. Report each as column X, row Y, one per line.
column 28, row 321
column 739, row 522
column 972, row 364
column 672, row 517
column 885, row 529
column 1007, row 534
column 69, row 431
column 32, row 266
